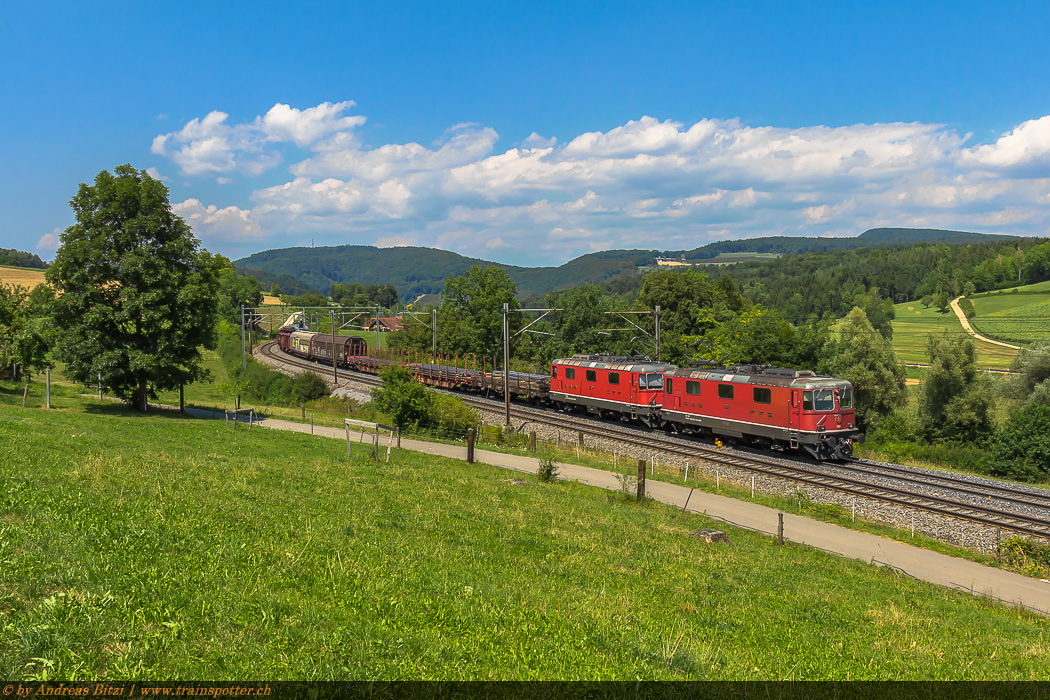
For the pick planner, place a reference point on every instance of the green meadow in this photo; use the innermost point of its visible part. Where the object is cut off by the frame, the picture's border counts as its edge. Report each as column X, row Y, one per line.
column 154, row 546
column 1020, row 317
column 913, row 323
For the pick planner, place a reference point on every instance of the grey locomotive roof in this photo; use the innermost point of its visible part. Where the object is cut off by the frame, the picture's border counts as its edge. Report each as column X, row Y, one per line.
column 615, row 362
column 765, row 376
column 322, row 337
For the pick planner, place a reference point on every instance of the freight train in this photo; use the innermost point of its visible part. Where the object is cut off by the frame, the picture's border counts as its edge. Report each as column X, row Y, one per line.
column 772, row 408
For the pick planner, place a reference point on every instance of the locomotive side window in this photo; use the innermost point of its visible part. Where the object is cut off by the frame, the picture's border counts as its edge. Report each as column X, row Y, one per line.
column 692, row 388
column 655, row 381
column 825, row 400
column 554, row 371
column 725, row 391
column 669, row 386
column 846, row 399
column 614, row 377
column 591, row 375
column 570, row 373
column 807, row 400
column 763, row 395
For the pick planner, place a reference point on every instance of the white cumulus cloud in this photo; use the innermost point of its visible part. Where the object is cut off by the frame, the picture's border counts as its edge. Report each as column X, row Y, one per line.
column 48, row 243
column 649, row 183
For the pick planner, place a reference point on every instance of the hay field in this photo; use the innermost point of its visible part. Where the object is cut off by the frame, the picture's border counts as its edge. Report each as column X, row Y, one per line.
column 23, row 276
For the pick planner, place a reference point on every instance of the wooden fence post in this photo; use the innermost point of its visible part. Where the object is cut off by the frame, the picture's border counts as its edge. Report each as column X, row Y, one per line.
column 780, row 528
column 532, row 441
column 470, row 446
column 641, row 479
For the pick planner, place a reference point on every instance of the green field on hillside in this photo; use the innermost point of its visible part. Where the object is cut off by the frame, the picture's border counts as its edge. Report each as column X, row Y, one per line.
column 1020, row 318
column 163, row 547
column 913, row 323
column 732, row 258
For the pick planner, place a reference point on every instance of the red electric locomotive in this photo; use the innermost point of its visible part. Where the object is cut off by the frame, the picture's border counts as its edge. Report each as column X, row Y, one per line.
column 773, row 408
column 623, row 387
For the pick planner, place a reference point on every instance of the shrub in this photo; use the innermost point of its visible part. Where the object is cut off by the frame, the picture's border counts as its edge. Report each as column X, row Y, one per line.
column 548, row 469
column 401, row 397
column 308, row 386
column 1033, row 558
column 451, row 416
column 1022, row 446
column 408, row 402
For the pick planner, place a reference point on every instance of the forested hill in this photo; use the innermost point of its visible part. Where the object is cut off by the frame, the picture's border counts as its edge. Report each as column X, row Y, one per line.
column 416, row 271
column 20, row 258
column 876, row 237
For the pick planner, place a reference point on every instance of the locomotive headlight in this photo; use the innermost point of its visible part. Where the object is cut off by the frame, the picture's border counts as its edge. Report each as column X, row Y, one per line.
column 820, row 428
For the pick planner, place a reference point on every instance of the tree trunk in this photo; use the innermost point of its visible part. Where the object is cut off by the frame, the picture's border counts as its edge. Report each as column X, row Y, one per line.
column 143, row 395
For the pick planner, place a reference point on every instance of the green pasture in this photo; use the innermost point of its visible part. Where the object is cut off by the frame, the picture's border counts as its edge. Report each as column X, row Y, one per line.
column 1014, row 318
column 1037, row 288
column 153, row 546
column 731, row 258
column 913, row 323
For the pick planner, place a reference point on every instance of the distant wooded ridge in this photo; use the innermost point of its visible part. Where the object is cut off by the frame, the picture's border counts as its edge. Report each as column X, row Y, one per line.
column 20, row 258
column 416, row 271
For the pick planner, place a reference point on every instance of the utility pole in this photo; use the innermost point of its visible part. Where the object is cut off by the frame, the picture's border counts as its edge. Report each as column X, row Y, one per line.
column 377, row 330
column 335, row 355
column 506, row 359
column 657, row 333
column 434, row 330
column 244, row 362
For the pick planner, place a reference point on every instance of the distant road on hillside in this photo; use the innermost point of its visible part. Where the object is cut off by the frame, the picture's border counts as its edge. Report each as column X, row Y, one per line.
column 966, row 324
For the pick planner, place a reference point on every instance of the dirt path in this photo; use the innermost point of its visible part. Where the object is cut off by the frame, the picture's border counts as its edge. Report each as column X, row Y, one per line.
column 969, row 329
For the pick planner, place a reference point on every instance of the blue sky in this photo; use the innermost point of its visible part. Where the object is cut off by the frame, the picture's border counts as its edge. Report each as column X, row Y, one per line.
column 534, row 134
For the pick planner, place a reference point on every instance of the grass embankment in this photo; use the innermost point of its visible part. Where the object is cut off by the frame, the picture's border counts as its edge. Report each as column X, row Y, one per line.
column 913, row 323
column 332, row 412
column 159, row 547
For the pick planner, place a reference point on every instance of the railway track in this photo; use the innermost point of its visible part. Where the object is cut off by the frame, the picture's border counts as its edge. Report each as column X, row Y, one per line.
column 862, row 481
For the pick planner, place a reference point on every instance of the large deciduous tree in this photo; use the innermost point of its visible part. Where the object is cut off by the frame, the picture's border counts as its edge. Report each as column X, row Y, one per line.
column 471, row 318
column 137, row 296
column 863, row 356
column 956, row 399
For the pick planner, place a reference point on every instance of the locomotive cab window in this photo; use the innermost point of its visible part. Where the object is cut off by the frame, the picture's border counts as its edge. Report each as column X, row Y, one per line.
column 725, row 391
column 654, row 381
column 824, row 400
column 614, row 377
column 846, row 399
column 669, row 385
column 591, row 375
column 763, row 395
column 692, row 388
column 807, row 400
column 554, row 371
column 570, row 373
